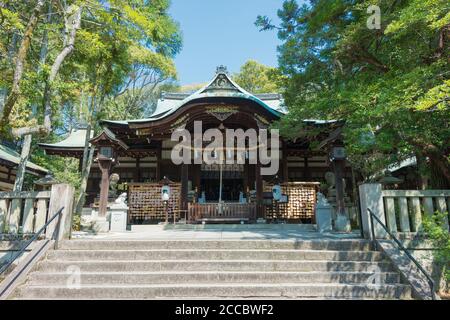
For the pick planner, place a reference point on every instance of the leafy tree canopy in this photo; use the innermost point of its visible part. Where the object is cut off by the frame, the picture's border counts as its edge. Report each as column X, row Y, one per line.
column 257, row 78
column 122, row 53
column 391, row 84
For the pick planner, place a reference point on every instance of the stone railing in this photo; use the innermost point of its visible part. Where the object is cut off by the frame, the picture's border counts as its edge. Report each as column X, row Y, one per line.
column 30, row 208
column 27, row 212
column 400, row 210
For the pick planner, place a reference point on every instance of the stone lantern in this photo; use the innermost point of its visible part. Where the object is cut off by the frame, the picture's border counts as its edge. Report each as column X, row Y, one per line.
column 46, row 182
column 338, row 158
column 107, row 145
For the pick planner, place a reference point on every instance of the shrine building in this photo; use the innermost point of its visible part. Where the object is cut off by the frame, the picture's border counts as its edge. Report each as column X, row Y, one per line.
column 140, row 153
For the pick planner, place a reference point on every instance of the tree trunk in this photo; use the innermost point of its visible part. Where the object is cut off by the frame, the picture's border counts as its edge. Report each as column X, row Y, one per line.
column 20, row 61
column 438, row 158
column 441, row 42
column 84, row 179
column 20, row 176
column 439, row 171
column 88, row 155
column 72, row 24
column 422, row 183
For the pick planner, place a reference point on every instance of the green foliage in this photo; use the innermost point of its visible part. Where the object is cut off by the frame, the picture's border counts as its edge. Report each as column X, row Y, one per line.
column 123, row 54
column 65, row 170
column 436, row 228
column 116, row 38
column 76, row 222
column 258, row 78
column 391, row 85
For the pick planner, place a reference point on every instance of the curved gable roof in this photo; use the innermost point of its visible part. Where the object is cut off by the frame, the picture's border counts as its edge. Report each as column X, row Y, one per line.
column 11, row 157
column 221, row 86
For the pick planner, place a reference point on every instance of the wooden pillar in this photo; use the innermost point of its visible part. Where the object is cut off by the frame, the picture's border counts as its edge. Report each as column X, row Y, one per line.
column 184, row 186
column 197, row 178
column 284, row 163
column 306, row 172
column 137, row 170
column 259, row 183
column 245, row 180
column 259, row 190
column 158, row 164
column 105, row 166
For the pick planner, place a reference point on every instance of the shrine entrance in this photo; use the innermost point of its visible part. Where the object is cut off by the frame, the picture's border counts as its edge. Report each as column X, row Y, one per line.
column 222, row 183
column 232, row 189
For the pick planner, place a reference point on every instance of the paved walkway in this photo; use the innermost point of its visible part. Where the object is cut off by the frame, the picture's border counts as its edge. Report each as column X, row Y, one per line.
column 220, row 232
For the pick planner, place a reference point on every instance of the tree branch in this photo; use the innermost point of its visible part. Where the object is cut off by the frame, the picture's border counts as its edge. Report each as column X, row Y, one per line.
column 20, row 62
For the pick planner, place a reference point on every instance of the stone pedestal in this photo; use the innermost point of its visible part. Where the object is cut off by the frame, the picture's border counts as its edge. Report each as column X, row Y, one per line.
column 95, row 223
column 342, row 223
column 101, row 225
column 323, row 214
column 118, row 217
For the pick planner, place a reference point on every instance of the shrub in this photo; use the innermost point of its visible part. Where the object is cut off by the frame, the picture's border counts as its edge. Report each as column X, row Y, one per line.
column 436, row 228
column 76, row 223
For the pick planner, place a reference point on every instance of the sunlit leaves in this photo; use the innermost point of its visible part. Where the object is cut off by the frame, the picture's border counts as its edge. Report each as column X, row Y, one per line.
column 393, row 80
column 142, row 55
column 257, row 78
column 436, row 99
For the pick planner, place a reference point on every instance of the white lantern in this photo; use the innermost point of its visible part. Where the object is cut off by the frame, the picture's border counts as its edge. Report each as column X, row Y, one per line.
column 276, row 191
column 165, row 193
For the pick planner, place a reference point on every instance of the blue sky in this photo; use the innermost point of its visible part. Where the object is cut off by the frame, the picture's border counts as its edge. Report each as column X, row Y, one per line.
column 219, row 32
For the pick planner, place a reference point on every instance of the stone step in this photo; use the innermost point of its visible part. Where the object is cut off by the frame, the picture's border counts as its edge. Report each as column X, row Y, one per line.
column 214, row 265
column 196, row 277
column 221, row 269
column 242, row 290
column 213, row 254
column 228, row 227
column 341, row 245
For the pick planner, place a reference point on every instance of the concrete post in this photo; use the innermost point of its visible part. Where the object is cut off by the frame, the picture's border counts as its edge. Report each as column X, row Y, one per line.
column 370, row 197
column 61, row 195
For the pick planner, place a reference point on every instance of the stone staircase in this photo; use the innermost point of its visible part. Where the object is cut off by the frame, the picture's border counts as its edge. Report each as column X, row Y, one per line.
column 230, row 269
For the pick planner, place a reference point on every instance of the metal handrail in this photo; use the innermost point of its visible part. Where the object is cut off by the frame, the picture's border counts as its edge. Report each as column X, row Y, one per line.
column 33, row 238
column 400, row 245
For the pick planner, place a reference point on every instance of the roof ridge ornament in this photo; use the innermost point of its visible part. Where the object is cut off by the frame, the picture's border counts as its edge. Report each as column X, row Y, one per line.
column 221, row 69
column 221, row 81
